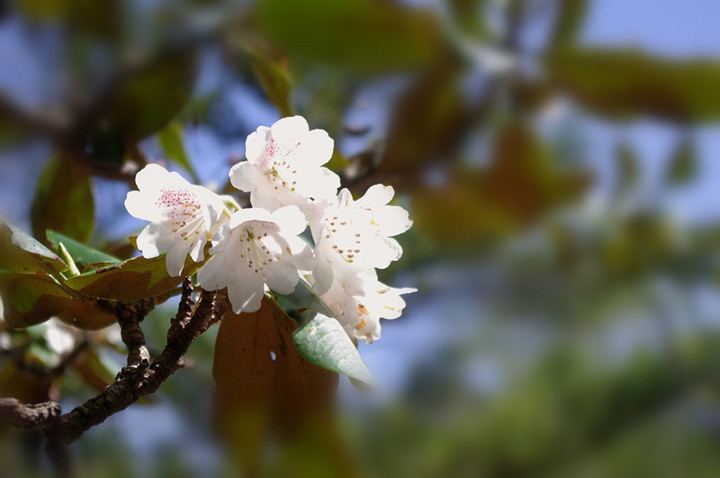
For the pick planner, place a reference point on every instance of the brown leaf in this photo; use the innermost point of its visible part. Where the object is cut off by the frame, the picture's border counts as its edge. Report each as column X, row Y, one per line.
column 265, row 389
column 521, row 184
column 428, row 122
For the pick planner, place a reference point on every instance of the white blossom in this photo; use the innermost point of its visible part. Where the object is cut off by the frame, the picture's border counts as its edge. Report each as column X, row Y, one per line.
column 284, row 165
column 254, row 249
column 183, row 216
column 360, row 304
column 353, row 237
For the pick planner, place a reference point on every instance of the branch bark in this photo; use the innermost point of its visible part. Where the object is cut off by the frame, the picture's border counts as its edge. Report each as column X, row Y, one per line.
column 138, row 378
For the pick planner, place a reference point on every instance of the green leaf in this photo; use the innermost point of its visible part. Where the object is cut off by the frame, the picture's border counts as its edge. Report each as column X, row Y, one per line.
column 324, row 342
column 172, row 143
column 136, row 278
column 359, row 34
column 623, row 84
column 320, row 338
column 469, row 16
column 302, row 299
column 81, row 254
column 151, row 97
column 568, row 22
column 30, row 299
column 275, row 80
column 628, row 167
column 63, row 201
column 22, row 253
column 683, row 164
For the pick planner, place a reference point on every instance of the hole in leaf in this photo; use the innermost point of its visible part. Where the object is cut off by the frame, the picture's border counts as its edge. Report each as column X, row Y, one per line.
column 273, row 356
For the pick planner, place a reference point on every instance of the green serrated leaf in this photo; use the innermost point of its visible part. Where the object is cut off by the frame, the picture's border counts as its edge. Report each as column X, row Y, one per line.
column 64, row 201
column 22, row 253
column 324, row 342
column 81, row 254
column 30, row 299
column 136, row 278
column 172, row 143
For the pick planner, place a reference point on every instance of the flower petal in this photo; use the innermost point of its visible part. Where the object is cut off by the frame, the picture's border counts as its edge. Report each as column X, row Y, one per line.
column 292, row 126
column 316, row 149
column 255, row 144
column 281, row 277
column 245, row 176
column 141, row 205
column 175, row 259
column 246, row 292
column 290, row 220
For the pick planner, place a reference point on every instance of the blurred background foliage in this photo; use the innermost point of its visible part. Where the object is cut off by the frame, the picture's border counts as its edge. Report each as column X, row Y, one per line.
column 561, row 180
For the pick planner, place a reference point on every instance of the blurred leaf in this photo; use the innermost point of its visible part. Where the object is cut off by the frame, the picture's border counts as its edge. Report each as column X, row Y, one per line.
column 521, row 184
column 683, row 164
column 625, row 83
column 359, row 34
column 81, row 254
column 470, row 17
column 337, row 162
column 171, row 140
column 30, row 299
column 105, row 144
column 63, row 201
column 531, row 96
column 147, row 100
column 324, row 342
column 93, row 371
column 136, row 278
column 628, row 167
column 22, row 253
column 262, row 383
column 568, row 22
column 42, row 10
column 427, row 124
column 25, row 387
column 275, row 80
column 523, row 180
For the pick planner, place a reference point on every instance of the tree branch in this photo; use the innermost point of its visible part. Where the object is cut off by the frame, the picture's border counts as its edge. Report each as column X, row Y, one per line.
column 34, row 416
column 137, row 379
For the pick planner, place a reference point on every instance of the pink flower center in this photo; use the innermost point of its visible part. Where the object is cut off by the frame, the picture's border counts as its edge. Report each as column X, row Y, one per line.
column 181, row 206
column 280, row 163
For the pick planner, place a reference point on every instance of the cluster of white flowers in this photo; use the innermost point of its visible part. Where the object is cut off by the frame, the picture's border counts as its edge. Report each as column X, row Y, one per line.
column 259, row 248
